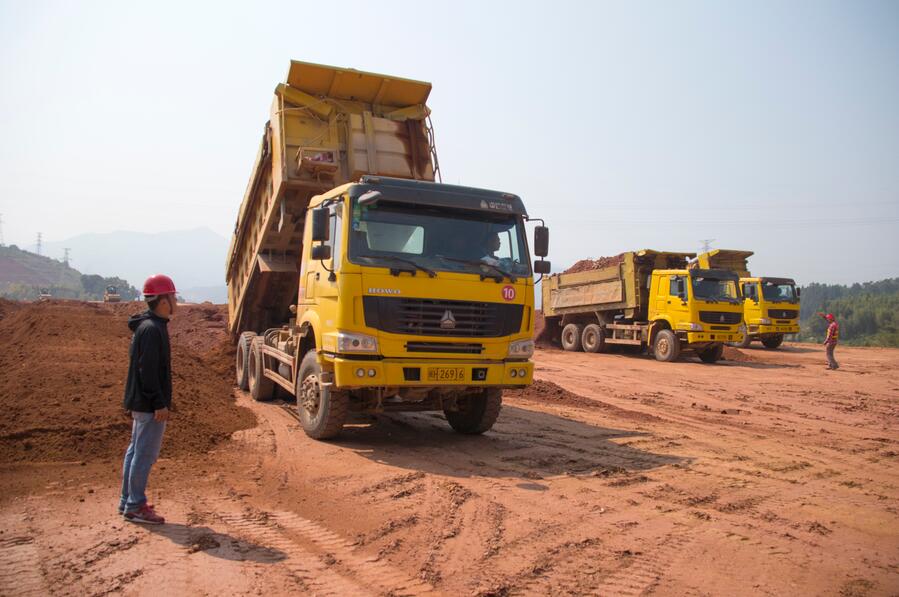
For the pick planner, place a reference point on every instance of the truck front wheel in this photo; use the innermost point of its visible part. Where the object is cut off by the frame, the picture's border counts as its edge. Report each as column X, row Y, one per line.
column 571, row 337
column 593, row 338
column 322, row 408
column 475, row 413
column 666, row 346
column 772, row 342
column 712, row 354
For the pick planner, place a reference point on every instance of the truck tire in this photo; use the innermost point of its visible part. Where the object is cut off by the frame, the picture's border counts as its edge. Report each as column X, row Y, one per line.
column 744, row 343
column 712, row 354
column 240, row 360
column 772, row 342
column 571, row 337
column 666, row 346
column 593, row 338
column 322, row 410
column 476, row 413
column 261, row 387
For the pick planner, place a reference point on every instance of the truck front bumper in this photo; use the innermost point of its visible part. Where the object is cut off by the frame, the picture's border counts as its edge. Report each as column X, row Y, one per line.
column 703, row 337
column 777, row 328
column 435, row 373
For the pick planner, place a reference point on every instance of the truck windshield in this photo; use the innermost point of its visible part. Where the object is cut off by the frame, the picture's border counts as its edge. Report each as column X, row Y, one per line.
column 713, row 290
column 438, row 238
column 778, row 292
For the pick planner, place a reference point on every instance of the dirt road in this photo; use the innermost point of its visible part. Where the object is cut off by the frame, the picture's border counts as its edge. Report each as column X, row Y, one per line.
column 764, row 476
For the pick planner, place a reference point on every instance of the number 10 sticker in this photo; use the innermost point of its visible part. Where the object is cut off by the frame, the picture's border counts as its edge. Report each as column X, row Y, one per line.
column 509, row 293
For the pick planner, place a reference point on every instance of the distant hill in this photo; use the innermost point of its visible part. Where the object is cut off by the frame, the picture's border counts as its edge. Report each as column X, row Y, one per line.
column 23, row 274
column 195, row 259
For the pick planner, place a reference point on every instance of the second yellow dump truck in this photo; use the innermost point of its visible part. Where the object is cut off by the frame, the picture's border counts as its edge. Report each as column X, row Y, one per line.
column 356, row 282
column 647, row 299
column 770, row 305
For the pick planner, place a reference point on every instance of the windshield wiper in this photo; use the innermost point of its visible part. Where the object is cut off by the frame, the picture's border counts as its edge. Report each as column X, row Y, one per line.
column 431, row 273
column 498, row 269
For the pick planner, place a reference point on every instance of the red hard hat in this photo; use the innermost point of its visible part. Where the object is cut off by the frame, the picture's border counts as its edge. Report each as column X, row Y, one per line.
column 159, row 284
column 829, row 316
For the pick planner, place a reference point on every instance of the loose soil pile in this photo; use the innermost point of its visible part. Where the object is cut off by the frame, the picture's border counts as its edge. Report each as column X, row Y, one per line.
column 63, row 366
column 586, row 265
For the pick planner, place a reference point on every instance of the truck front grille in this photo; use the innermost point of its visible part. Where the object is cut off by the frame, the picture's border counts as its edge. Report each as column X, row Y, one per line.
column 447, row 347
column 434, row 317
column 783, row 313
column 724, row 317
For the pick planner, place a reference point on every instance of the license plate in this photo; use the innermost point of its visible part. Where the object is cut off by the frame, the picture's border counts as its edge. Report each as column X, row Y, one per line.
column 446, row 374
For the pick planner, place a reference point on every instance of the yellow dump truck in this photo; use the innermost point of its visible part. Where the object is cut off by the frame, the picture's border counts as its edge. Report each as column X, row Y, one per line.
column 356, row 282
column 647, row 299
column 770, row 305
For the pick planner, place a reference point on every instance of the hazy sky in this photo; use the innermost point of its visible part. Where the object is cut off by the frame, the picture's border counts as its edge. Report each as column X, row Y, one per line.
column 766, row 126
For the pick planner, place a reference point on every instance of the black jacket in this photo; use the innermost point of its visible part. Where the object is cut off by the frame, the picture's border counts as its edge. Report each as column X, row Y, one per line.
column 149, row 385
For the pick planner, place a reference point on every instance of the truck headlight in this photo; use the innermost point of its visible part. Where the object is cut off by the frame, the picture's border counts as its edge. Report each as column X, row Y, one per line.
column 764, row 321
column 742, row 329
column 353, row 342
column 521, row 349
column 690, row 327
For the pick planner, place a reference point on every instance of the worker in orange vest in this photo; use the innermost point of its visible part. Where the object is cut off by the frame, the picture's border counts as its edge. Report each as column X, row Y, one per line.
column 831, row 340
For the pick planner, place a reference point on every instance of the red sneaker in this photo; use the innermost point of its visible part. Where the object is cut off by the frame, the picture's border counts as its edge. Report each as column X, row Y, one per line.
column 145, row 515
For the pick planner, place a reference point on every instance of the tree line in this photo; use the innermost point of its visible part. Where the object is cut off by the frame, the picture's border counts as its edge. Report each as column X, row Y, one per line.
column 866, row 312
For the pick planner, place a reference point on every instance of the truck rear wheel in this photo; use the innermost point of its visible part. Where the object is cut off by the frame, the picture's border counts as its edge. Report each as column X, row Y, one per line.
column 476, row 413
column 571, row 337
column 772, row 342
column 593, row 338
column 240, row 360
column 666, row 346
column 712, row 354
column 261, row 387
column 322, row 409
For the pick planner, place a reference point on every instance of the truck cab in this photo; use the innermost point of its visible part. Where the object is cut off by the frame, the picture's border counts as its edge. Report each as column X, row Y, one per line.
column 700, row 307
column 770, row 309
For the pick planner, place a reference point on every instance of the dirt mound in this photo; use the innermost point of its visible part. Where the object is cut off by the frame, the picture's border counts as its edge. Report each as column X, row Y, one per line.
column 62, row 373
column 586, row 265
column 546, row 392
column 736, row 355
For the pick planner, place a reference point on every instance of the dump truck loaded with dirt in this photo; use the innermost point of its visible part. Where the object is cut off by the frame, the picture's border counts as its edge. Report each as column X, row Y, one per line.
column 356, row 282
column 645, row 299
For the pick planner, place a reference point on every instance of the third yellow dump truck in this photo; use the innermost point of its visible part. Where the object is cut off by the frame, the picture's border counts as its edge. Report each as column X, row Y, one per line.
column 648, row 299
column 356, row 282
column 770, row 305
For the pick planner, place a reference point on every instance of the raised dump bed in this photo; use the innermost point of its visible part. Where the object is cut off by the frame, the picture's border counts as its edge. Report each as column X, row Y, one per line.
column 328, row 126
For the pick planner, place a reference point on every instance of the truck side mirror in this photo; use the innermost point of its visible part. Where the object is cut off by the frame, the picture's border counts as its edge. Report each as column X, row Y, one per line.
column 541, row 241
column 542, row 267
column 798, row 292
column 321, row 252
column 321, row 228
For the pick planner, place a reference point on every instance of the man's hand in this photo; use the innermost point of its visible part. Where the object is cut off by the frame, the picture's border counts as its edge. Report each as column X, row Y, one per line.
column 161, row 415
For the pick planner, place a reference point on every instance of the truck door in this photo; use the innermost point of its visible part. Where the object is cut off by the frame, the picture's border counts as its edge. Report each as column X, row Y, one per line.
column 751, row 307
column 677, row 304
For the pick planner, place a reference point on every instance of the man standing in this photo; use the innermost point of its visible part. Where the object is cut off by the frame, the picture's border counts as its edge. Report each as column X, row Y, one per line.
column 148, row 396
column 831, row 340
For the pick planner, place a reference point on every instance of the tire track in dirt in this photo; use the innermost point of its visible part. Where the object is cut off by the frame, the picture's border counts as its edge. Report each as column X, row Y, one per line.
column 20, row 567
column 645, row 570
column 312, row 572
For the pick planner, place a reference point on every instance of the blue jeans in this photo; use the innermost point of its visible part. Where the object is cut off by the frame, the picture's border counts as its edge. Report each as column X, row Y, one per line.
column 146, row 440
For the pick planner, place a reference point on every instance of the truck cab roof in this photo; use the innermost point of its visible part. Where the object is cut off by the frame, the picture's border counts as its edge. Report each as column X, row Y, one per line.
column 434, row 194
